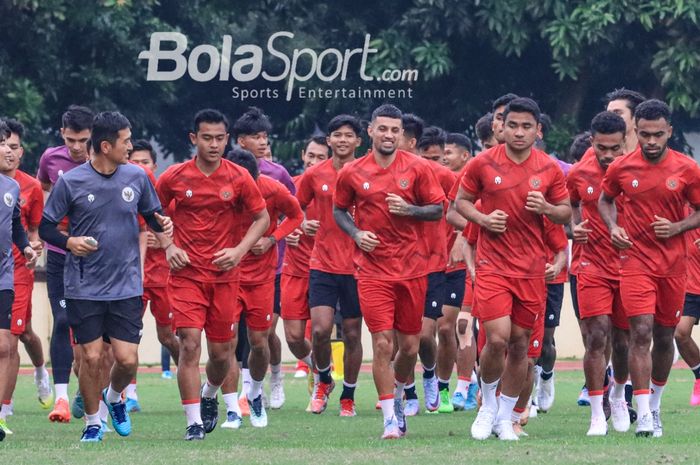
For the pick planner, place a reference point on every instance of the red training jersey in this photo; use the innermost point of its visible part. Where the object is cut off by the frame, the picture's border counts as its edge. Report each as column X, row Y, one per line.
column 556, row 241
column 434, row 238
column 31, row 202
column 296, row 258
column 693, row 286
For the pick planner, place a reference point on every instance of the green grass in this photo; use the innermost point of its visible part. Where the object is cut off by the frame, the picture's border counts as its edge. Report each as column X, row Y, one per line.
column 297, row 437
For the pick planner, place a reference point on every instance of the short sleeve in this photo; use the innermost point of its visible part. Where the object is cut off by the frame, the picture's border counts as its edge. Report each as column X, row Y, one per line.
column 249, row 195
column 163, row 188
column 471, row 182
column 148, row 201
column 58, row 203
column 555, row 236
column 344, row 196
column 305, row 193
column 429, row 191
column 557, row 193
column 36, row 206
column 571, row 187
column 43, row 173
column 611, row 181
column 692, row 192
column 452, row 195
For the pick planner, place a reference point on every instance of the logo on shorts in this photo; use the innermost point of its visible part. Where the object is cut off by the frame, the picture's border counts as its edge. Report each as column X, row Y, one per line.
column 62, row 303
column 535, row 343
column 589, row 190
column 551, row 317
column 498, row 180
column 9, row 199
column 324, row 188
column 678, row 313
column 188, row 193
column 19, row 322
column 403, row 183
column 453, row 296
column 535, row 182
column 140, row 332
column 635, row 183
column 365, row 186
column 434, row 304
column 91, row 198
column 128, row 194
column 672, row 183
column 268, row 317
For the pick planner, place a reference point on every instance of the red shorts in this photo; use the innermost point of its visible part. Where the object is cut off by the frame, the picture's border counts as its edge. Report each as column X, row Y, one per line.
column 21, row 308
column 295, row 297
column 160, row 305
column 388, row 305
column 256, row 301
column 468, row 292
column 208, row 306
column 653, row 295
column 523, row 299
column 481, row 338
column 601, row 296
column 534, row 346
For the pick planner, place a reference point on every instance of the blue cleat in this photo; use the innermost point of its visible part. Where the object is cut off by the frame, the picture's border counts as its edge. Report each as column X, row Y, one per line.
column 78, row 408
column 91, row 433
column 471, row 401
column 167, row 374
column 400, row 416
column 459, row 401
column 120, row 416
column 132, row 405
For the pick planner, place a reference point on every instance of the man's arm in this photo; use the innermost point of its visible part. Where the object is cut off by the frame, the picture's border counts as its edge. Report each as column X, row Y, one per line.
column 365, row 240
column 608, row 213
column 454, row 218
column 398, row 206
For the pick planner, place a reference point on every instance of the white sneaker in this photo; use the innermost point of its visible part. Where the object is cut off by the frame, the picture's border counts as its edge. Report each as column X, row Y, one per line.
column 277, row 397
column 300, row 374
column 645, row 426
column 233, row 421
column 620, row 415
column 656, row 420
column 391, row 429
column 43, row 389
column 258, row 415
column 599, row 427
column 483, row 424
column 545, row 396
column 504, row 431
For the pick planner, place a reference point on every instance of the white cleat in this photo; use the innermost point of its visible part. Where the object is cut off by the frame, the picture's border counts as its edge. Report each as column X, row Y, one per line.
column 258, row 415
column 233, row 421
column 545, row 396
column 277, row 397
column 411, row 407
column 504, row 430
column 391, row 429
column 483, row 424
column 658, row 426
column 620, row 415
column 300, row 374
column 599, row 427
column 645, row 426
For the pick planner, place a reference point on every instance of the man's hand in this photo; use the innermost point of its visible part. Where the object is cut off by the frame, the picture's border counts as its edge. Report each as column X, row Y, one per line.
column 152, row 241
column 31, row 256
column 496, row 221
column 581, row 231
column 166, row 223
column 263, row 245
column 536, row 203
column 38, row 247
column 397, row 205
column 228, row 258
column 551, row 271
column 310, row 227
column 365, row 240
column 80, row 246
column 176, row 257
column 664, row 228
column 294, row 238
column 457, row 252
column 619, row 238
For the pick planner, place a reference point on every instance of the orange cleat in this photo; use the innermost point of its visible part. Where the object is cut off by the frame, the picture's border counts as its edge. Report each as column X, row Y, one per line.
column 243, row 405
column 60, row 412
column 319, row 402
column 347, row 408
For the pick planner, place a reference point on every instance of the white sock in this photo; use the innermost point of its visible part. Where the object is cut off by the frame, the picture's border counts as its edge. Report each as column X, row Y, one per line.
column 131, row 391
column 642, row 404
column 231, row 401
column 209, row 390
column 387, row 408
column 61, row 391
column 5, row 411
column 398, row 390
column 597, row 406
column 40, row 372
column 462, row 386
column 488, row 395
column 617, row 390
column 276, row 373
column 193, row 414
column 515, row 417
column 103, row 412
column 308, row 361
column 505, row 407
column 245, row 375
column 255, row 388
column 655, row 396
column 93, row 419
column 113, row 396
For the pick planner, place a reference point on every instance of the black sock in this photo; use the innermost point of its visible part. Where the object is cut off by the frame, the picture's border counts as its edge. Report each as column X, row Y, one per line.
column 325, row 376
column 443, row 386
column 696, row 372
column 427, row 374
column 348, row 392
column 410, row 392
column 606, row 382
column 546, row 376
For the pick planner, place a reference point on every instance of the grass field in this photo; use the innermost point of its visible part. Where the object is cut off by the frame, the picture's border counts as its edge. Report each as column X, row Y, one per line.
column 296, row 437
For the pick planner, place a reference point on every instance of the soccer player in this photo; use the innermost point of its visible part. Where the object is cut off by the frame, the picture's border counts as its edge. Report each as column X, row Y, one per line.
column 624, row 102
column 205, row 196
column 498, row 109
column 54, row 163
column 517, row 185
column 657, row 183
column 600, row 306
column 484, row 131
column 392, row 192
column 11, row 232
column 331, row 281
column 458, row 150
column 691, row 314
column 103, row 283
column 413, row 127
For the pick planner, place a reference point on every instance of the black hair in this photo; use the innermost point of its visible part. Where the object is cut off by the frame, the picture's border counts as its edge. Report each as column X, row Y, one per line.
column 432, row 135
column 632, row 98
column 484, row 127
column 503, row 100
column 523, row 105
column 245, row 159
column 210, row 116
column 4, row 130
column 345, row 120
column 15, row 127
column 607, row 122
column 581, row 143
column 252, row 121
column 77, row 118
column 412, row 126
column 546, row 123
column 652, row 110
column 459, row 140
column 106, row 126
column 144, row 145
column 319, row 139
column 387, row 110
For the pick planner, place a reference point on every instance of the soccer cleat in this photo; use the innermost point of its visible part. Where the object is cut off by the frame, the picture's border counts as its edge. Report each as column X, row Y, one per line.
column 599, row 427
column 695, row 396
column 132, row 405
column 645, row 426
column 243, row 405
column 658, row 426
column 104, row 428
column 277, row 396
column 78, row 408
column 583, row 398
column 545, row 395
column 472, row 394
column 431, row 395
column 533, row 410
column 319, row 402
column 209, row 409
column 120, row 416
column 347, row 408
column 412, row 407
column 504, row 430
column 391, row 429
column 233, row 421
column 620, row 416
column 167, row 374
column 92, row 433
column 258, row 416
column 459, row 401
column 445, row 404
column 4, row 427
column 60, row 412
column 302, row 370
column 400, row 416
column 43, row 390
column 194, row 432
column 483, row 424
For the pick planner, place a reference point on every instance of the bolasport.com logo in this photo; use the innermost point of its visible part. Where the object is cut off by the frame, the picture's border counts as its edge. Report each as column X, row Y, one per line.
column 168, row 60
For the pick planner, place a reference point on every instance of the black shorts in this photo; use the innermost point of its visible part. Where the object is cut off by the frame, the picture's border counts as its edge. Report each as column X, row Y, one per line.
column 692, row 306
column 277, row 307
column 7, row 298
column 454, row 288
column 435, row 296
column 331, row 290
column 555, row 297
column 93, row 319
column 574, row 294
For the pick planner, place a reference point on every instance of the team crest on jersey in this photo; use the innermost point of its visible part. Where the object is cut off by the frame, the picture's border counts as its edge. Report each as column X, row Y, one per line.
column 535, row 182
column 128, row 194
column 498, row 180
column 188, row 193
column 672, row 183
column 9, row 199
column 365, row 186
column 22, row 202
column 324, row 188
column 91, row 198
column 589, row 190
column 225, row 194
column 403, row 183
column 635, row 183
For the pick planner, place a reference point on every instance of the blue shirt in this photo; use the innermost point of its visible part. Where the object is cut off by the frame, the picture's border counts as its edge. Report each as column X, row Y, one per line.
column 9, row 190
column 106, row 208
